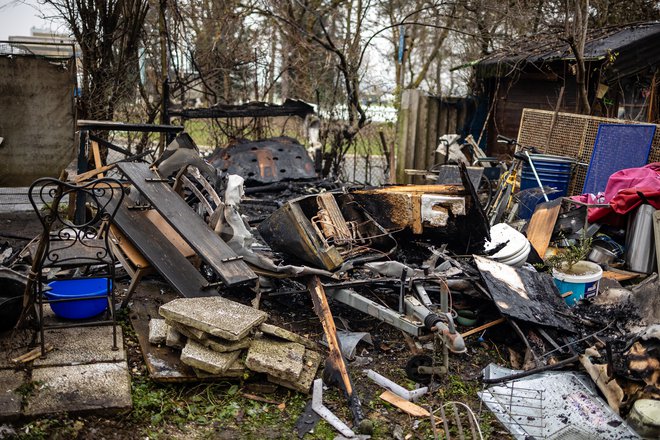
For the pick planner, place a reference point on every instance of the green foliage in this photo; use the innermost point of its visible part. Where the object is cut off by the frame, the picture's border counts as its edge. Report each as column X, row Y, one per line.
column 459, row 389
column 52, row 429
column 27, row 389
column 211, row 407
column 565, row 260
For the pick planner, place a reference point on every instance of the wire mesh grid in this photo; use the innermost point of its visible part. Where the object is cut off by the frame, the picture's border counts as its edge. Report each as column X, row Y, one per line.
column 369, row 170
column 571, row 135
column 523, row 407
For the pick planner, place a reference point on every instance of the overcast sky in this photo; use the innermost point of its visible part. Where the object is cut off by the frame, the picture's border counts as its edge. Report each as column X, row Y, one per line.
column 18, row 16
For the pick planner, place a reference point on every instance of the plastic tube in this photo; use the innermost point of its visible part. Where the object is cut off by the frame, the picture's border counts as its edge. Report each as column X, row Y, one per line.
column 397, row 389
column 325, row 413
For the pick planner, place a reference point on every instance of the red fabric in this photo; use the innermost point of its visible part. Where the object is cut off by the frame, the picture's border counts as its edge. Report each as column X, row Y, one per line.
column 623, row 193
column 625, row 201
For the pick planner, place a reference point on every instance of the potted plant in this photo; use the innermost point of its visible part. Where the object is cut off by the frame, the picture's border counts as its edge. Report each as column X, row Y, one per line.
column 575, row 277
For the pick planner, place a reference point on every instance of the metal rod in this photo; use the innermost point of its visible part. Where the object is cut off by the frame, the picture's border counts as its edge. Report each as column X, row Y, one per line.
column 402, row 289
column 520, row 375
column 538, row 180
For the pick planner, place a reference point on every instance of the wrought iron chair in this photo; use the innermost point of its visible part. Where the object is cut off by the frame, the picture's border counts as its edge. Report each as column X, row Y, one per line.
column 74, row 245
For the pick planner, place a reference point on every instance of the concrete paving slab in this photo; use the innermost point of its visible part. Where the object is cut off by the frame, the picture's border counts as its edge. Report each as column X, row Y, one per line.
column 214, row 315
column 188, row 332
column 222, row 346
column 283, row 360
column 174, row 339
column 10, row 399
column 274, row 330
column 82, row 345
column 157, row 331
column 101, row 387
column 200, row 357
column 312, row 361
column 211, row 342
column 235, row 370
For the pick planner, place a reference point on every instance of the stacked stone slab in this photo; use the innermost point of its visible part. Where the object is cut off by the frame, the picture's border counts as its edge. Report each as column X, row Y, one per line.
column 286, row 363
column 222, row 338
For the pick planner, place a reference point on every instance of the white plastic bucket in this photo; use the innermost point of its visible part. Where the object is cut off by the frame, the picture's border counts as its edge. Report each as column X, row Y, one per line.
column 576, row 287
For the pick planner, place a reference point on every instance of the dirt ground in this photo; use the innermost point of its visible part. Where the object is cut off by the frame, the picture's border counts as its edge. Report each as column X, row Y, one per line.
column 227, row 410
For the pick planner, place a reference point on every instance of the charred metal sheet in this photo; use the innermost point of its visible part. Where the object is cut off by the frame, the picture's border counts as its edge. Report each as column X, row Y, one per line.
column 249, row 110
column 265, row 161
column 326, row 230
column 525, row 294
column 478, row 220
column 288, row 230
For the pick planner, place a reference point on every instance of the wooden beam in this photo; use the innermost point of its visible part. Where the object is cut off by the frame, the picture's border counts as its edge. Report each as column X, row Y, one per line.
column 93, row 173
column 483, row 327
column 404, row 405
column 335, row 362
column 96, row 154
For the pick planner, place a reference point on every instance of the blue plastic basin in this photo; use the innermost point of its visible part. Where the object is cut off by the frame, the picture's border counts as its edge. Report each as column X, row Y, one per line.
column 79, row 288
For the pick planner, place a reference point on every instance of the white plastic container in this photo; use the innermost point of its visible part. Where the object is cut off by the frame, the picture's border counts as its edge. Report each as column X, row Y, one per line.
column 574, row 287
column 516, row 246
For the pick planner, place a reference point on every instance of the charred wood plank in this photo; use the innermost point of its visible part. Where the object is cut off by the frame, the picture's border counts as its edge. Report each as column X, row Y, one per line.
column 335, row 366
column 160, row 252
column 211, row 248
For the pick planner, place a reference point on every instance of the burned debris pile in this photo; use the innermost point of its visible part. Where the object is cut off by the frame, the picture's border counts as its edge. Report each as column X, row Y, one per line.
column 256, row 233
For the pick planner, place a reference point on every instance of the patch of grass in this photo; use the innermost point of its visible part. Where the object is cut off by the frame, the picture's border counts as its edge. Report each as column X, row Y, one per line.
column 27, row 389
column 124, row 321
column 459, row 389
column 52, row 429
column 210, row 408
column 486, row 424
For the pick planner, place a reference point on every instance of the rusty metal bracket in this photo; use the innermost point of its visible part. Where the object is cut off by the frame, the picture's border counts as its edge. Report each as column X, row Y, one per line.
column 140, row 207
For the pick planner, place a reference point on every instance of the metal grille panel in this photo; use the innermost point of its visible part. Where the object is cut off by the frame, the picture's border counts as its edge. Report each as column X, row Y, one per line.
column 572, row 135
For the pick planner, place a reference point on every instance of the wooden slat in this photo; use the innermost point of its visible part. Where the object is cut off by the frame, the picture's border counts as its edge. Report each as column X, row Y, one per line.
column 405, row 406
column 96, row 154
column 539, row 230
column 127, row 248
column 93, row 173
column 157, row 249
column 169, row 232
column 620, row 275
column 482, row 327
column 189, row 225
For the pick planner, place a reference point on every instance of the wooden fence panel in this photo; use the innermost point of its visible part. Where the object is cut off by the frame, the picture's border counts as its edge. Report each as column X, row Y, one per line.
column 422, row 120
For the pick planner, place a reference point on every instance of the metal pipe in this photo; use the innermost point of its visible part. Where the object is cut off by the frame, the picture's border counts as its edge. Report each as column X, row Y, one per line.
column 402, row 288
column 538, row 180
column 395, row 387
column 325, row 413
